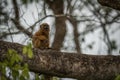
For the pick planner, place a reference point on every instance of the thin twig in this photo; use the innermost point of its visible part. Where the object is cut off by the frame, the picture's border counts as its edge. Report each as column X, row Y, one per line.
column 9, row 31
column 109, row 44
column 6, row 34
column 44, row 8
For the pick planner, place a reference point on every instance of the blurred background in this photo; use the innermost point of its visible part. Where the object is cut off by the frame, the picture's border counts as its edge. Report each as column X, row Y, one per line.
column 80, row 26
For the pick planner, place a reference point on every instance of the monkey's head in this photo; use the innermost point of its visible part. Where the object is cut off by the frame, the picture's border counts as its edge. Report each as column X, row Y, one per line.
column 45, row 28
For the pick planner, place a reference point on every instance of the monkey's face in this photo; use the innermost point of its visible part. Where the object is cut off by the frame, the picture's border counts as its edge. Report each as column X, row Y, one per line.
column 44, row 27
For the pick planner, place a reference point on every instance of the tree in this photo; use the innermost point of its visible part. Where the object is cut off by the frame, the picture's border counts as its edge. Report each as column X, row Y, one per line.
column 61, row 64
column 65, row 11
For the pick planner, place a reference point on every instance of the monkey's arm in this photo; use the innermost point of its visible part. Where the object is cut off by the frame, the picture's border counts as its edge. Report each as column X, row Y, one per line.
column 37, row 40
column 36, row 43
column 40, row 37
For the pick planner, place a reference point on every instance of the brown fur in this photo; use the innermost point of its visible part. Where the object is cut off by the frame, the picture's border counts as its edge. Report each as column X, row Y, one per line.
column 41, row 38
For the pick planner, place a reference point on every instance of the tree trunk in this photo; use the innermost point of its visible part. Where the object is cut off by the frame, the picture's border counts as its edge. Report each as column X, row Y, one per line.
column 58, row 8
column 61, row 64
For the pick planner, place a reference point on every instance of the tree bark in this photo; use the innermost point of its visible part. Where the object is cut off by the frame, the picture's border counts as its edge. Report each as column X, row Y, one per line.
column 115, row 4
column 60, row 27
column 61, row 64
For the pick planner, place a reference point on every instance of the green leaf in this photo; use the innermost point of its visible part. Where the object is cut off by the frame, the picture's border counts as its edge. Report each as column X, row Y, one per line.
column 28, row 50
column 24, row 50
column 10, row 51
column 15, row 74
column 25, row 73
column 22, row 78
column 12, row 62
column 3, row 68
column 25, row 65
column 17, row 67
column 30, row 53
column 118, row 77
column 18, row 58
column 37, row 77
column 55, row 78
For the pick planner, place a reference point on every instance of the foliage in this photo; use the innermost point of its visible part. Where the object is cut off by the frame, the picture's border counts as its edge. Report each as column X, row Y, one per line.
column 118, row 77
column 13, row 68
column 28, row 50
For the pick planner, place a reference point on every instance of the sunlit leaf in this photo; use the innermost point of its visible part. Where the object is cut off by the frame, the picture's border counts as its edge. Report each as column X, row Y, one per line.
column 30, row 53
column 24, row 50
column 25, row 73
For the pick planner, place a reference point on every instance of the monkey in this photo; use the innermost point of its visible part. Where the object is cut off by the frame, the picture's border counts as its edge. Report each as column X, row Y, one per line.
column 41, row 38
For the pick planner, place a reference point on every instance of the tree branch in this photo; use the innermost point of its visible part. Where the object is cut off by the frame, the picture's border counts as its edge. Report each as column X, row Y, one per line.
column 7, row 34
column 16, row 10
column 16, row 19
column 61, row 64
column 76, row 34
column 115, row 4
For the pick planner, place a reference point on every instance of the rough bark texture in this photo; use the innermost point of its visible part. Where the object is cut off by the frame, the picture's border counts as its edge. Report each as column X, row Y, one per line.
column 61, row 64
column 110, row 3
column 60, row 33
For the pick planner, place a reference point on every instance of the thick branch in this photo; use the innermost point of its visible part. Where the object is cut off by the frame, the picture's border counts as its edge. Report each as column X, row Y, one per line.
column 110, row 3
column 80, row 66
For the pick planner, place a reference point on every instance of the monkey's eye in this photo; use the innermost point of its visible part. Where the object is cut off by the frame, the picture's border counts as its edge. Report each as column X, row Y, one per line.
column 46, row 27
